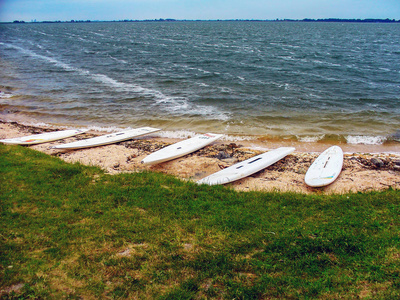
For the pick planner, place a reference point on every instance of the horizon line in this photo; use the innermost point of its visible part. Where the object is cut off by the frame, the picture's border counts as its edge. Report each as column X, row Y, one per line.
column 347, row 20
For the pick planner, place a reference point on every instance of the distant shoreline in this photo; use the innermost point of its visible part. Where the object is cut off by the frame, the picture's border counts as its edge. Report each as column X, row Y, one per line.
column 308, row 20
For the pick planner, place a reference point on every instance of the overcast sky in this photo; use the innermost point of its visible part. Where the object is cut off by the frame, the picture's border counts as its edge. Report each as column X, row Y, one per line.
column 65, row 10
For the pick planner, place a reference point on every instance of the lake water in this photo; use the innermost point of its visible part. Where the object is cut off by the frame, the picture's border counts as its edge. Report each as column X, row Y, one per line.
column 277, row 80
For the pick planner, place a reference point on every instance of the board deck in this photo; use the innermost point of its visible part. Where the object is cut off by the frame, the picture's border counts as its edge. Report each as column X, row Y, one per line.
column 181, row 148
column 108, row 138
column 43, row 137
column 247, row 167
column 326, row 168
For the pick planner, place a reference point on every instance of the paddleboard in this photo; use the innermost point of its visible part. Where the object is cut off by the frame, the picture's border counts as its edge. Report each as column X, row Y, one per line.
column 43, row 137
column 108, row 138
column 181, row 148
column 326, row 168
column 247, row 167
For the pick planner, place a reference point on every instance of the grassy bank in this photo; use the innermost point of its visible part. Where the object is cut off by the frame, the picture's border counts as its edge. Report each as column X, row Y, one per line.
column 71, row 231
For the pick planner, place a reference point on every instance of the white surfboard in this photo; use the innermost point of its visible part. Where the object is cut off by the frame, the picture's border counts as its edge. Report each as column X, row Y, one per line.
column 247, row 167
column 108, row 138
column 181, row 148
column 326, row 168
column 43, row 137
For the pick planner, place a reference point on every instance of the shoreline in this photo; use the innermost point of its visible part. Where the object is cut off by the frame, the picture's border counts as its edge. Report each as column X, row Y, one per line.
column 306, row 143
column 361, row 172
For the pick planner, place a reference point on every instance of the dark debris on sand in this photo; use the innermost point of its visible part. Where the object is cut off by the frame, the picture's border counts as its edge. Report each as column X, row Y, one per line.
column 298, row 163
column 232, row 153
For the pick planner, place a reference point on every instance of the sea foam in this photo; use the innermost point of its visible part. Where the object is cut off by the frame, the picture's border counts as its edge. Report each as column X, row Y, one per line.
column 365, row 140
column 310, row 139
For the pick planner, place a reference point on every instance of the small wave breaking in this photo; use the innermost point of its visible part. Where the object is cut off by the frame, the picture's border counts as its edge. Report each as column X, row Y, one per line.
column 177, row 105
column 310, row 139
column 365, row 140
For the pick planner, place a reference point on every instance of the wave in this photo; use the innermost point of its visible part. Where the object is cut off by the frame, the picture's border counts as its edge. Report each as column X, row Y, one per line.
column 310, row 139
column 298, row 87
column 5, row 95
column 177, row 134
column 365, row 139
column 179, row 105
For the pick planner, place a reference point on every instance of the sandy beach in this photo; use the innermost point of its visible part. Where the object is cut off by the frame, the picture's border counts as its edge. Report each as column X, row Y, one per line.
column 362, row 171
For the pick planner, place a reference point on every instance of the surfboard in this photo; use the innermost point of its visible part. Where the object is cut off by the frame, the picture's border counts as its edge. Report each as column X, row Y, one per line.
column 108, row 138
column 326, row 168
column 43, row 137
column 181, row 148
column 247, row 167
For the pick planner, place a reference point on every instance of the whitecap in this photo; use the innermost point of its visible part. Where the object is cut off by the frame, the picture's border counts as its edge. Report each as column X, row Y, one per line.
column 178, row 134
column 365, row 140
column 4, row 95
column 185, row 134
column 237, row 138
column 176, row 105
column 35, row 55
column 202, row 84
column 107, row 129
column 310, row 139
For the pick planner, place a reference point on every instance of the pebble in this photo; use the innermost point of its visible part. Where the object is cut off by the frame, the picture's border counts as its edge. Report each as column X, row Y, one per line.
column 302, row 170
column 377, row 162
column 232, row 153
column 223, row 155
column 230, row 160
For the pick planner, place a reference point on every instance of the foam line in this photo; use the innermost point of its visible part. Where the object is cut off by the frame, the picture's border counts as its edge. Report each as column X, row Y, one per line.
column 167, row 103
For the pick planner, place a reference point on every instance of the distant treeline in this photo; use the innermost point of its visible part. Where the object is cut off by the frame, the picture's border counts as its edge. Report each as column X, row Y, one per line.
column 353, row 20
column 231, row 20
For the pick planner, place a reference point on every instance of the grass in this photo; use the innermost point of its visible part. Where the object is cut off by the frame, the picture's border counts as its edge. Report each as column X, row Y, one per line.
column 71, row 231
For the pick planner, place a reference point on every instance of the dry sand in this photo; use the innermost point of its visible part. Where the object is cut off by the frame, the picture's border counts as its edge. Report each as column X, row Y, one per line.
column 361, row 172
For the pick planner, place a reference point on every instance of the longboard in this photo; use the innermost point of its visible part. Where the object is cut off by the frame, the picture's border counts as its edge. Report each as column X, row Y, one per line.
column 247, row 167
column 108, row 138
column 181, row 148
column 326, row 168
column 43, row 137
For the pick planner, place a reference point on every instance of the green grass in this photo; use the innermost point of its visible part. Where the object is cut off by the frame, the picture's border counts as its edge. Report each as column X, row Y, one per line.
column 71, row 231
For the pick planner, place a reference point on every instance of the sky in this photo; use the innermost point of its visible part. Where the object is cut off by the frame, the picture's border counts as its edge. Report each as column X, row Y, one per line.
column 108, row 10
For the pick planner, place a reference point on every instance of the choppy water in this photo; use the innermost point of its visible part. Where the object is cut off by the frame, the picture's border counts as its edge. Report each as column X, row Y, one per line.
column 306, row 81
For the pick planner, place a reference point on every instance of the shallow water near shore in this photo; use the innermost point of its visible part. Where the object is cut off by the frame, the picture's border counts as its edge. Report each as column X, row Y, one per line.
column 309, row 84
column 255, row 142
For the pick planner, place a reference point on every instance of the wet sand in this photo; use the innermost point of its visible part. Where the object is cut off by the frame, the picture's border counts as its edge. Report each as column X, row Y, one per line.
column 365, row 168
